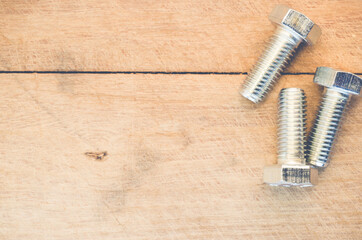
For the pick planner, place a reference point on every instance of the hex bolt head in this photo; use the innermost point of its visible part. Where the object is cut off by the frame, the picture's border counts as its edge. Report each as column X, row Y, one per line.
column 339, row 87
column 294, row 175
column 293, row 28
column 296, row 22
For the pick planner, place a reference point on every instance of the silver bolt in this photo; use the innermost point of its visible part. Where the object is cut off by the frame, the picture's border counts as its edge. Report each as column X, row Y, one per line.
column 339, row 86
column 291, row 169
column 293, row 28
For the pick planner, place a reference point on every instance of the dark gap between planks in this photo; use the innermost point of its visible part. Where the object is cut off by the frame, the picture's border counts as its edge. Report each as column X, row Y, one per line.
column 146, row 72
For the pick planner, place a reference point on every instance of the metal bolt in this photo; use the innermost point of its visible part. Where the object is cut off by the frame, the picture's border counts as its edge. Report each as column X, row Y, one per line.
column 293, row 28
column 291, row 169
column 339, row 87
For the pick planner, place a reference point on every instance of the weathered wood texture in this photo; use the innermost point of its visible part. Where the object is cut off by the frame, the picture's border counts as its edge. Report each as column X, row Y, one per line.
column 184, row 161
column 163, row 35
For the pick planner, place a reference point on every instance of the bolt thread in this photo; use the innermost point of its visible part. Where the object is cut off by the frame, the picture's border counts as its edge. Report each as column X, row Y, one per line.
column 291, row 126
column 277, row 55
column 325, row 127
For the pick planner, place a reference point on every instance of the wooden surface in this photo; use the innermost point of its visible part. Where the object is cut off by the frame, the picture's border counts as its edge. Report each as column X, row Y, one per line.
column 163, row 35
column 162, row 156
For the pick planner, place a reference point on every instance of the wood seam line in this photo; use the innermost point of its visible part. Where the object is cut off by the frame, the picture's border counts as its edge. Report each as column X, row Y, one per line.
column 146, row 72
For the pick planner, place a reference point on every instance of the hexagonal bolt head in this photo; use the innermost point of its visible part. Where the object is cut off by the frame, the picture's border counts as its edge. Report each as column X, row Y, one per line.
column 289, row 175
column 339, row 81
column 296, row 22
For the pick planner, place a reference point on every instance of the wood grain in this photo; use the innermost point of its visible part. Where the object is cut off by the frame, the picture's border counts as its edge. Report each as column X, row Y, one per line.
column 162, row 35
column 184, row 161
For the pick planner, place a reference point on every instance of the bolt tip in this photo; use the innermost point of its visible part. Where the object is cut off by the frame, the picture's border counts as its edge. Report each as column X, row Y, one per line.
column 249, row 97
column 318, row 164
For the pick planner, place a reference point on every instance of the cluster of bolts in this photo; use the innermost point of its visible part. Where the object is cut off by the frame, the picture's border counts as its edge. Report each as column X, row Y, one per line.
column 298, row 157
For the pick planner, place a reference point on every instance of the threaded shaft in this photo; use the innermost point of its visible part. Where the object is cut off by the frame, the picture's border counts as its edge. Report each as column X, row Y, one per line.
column 325, row 127
column 291, row 126
column 269, row 66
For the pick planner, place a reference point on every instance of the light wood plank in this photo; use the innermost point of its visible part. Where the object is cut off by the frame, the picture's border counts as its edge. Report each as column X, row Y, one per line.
column 184, row 161
column 162, row 35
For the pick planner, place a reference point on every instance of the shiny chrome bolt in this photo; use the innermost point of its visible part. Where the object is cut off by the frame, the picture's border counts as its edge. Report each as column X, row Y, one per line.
column 339, row 87
column 291, row 169
column 293, row 28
